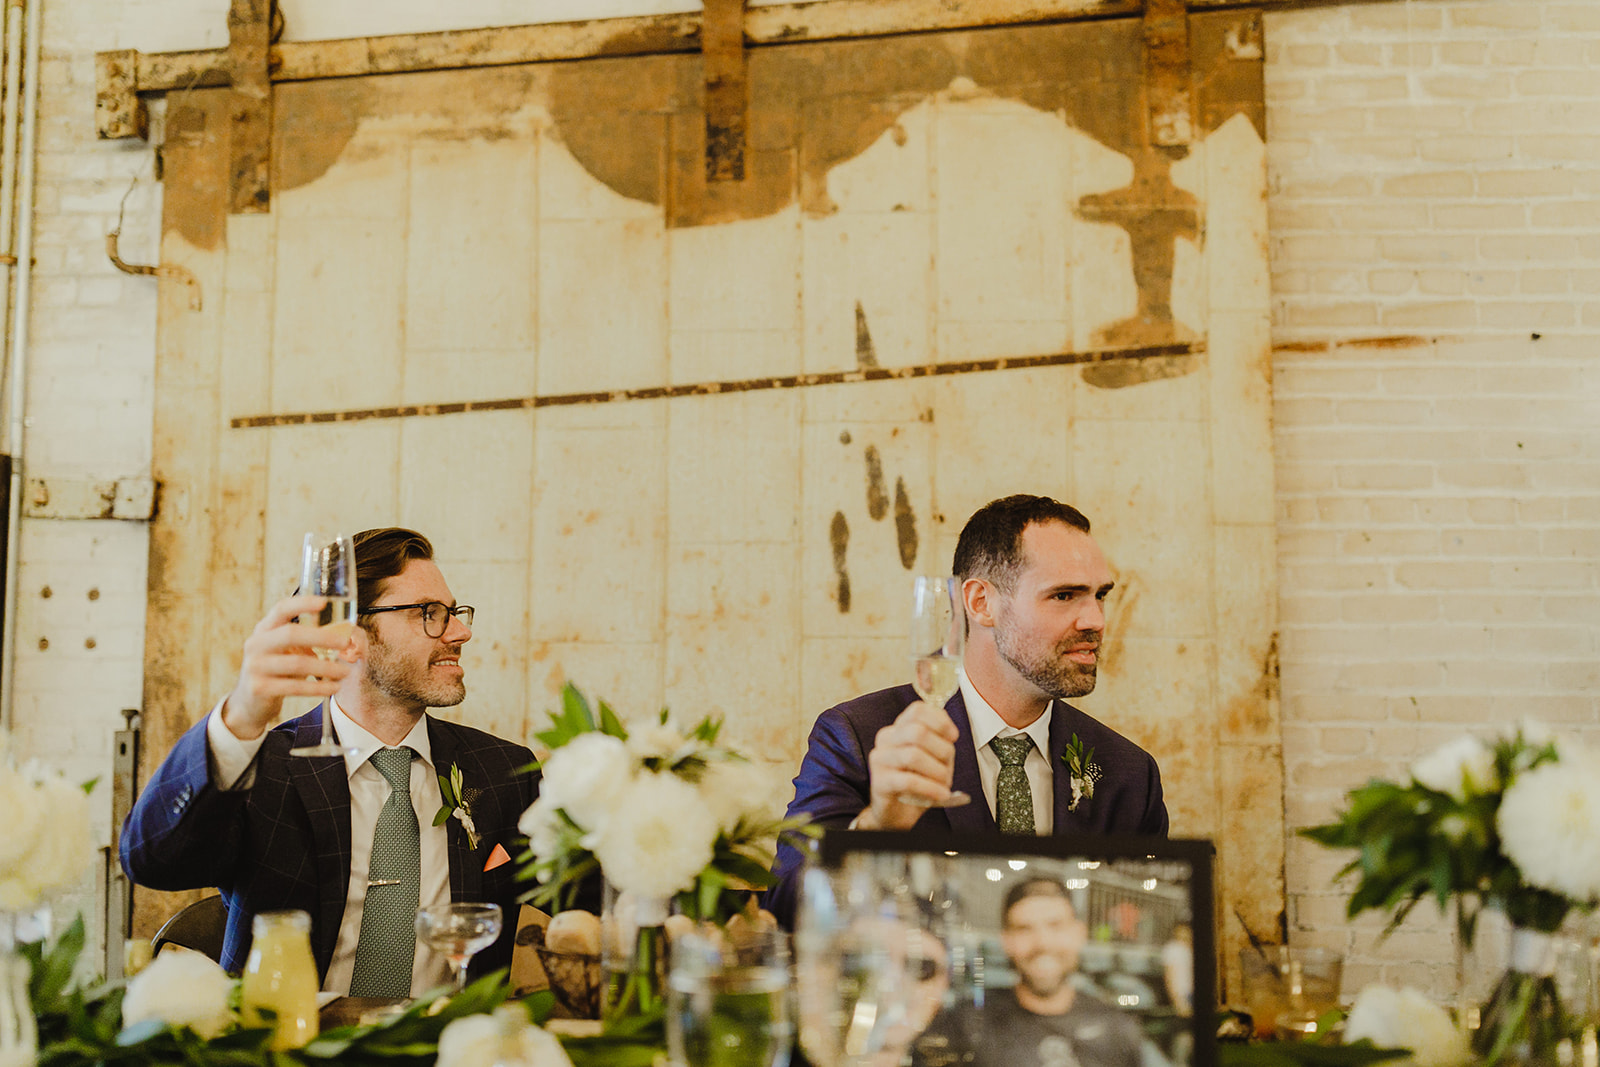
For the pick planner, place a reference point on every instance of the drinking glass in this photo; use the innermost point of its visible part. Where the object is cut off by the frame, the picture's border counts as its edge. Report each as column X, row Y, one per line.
column 328, row 569
column 458, row 931
column 938, row 639
column 728, row 1001
column 871, row 969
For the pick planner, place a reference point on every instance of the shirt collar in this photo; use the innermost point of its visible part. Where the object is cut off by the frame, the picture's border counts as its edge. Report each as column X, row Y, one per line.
column 351, row 734
column 986, row 723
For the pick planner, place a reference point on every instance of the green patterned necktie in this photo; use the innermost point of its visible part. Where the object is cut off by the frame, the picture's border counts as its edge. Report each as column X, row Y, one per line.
column 388, row 942
column 1013, row 801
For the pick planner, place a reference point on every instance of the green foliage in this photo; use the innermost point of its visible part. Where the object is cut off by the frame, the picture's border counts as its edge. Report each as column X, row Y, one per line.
column 1414, row 843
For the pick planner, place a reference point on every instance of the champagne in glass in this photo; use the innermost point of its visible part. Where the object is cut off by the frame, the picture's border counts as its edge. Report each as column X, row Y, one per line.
column 938, row 640
column 458, row 931
column 328, row 569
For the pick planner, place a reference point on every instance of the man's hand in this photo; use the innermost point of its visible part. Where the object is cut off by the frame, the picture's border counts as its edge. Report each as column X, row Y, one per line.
column 914, row 756
column 280, row 661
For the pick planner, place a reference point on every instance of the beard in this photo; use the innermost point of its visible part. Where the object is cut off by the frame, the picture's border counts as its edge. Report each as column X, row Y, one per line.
column 405, row 679
column 1045, row 666
column 1046, row 982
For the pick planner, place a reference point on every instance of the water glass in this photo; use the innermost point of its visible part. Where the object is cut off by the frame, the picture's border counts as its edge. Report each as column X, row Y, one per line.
column 728, row 998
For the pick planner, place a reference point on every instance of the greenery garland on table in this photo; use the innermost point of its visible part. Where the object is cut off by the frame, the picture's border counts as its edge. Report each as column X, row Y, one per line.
column 82, row 1026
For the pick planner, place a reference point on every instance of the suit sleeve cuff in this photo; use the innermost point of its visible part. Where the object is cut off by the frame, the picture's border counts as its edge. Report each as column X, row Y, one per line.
column 232, row 760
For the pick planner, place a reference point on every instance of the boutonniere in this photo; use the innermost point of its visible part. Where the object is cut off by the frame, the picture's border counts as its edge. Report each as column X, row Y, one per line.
column 1084, row 771
column 457, row 802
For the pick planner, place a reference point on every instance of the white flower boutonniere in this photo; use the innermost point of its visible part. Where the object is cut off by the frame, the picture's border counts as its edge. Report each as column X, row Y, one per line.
column 457, row 802
column 1084, row 770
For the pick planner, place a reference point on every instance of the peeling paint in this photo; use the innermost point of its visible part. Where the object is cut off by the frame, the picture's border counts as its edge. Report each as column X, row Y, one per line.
column 866, row 355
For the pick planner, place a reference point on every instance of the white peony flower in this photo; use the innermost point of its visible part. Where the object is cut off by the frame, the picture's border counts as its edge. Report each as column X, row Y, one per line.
column 1404, row 1018
column 180, row 988
column 54, row 845
column 1549, row 826
column 542, row 825
column 504, row 1037
column 661, row 835
column 736, row 788
column 658, row 740
column 585, row 776
column 1465, row 765
column 20, row 801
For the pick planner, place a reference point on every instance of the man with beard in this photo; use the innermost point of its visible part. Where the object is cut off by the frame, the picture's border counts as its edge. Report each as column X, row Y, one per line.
column 350, row 840
column 1033, row 584
column 1044, row 1020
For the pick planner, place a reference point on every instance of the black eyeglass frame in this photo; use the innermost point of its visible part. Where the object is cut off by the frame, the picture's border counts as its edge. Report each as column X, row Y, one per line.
column 464, row 612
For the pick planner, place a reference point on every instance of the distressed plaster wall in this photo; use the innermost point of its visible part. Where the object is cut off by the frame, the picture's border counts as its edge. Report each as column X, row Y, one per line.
column 548, row 232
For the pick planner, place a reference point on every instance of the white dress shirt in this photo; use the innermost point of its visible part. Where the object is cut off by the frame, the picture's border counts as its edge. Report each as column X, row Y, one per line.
column 986, row 725
column 369, row 791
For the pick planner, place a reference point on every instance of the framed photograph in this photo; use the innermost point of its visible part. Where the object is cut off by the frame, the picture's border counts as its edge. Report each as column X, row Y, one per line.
column 1045, row 951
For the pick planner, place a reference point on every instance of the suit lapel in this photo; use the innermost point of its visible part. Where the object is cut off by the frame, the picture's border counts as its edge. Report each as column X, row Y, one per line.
column 466, row 871
column 976, row 816
column 324, row 789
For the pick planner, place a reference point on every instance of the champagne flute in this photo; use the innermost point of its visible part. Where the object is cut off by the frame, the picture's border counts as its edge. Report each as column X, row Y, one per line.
column 938, row 639
column 328, row 569
column 458, row 931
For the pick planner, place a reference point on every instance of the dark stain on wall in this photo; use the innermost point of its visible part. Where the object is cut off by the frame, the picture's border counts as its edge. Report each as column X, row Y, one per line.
column 877, row 492
column 905, row 525
column 866, row 355
column 839, row 538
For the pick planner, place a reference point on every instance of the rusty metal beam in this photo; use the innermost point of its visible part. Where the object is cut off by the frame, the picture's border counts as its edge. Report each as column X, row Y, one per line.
column 820, row 20
column 727, row 89
column 1166, row 73
column 118, row 111
column 250, row 107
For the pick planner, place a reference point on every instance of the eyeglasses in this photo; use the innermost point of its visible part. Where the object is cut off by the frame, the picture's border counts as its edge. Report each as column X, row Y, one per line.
column 435, row 616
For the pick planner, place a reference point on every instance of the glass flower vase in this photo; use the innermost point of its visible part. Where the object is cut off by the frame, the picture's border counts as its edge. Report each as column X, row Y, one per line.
column 1524, row 1023
column 633, row 956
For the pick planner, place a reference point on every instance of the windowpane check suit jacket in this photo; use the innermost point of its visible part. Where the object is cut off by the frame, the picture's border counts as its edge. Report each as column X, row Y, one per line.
column 832, row 786
column 285, row 841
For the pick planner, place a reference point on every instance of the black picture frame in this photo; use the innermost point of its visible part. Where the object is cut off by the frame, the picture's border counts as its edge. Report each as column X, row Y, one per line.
column 1130, row 891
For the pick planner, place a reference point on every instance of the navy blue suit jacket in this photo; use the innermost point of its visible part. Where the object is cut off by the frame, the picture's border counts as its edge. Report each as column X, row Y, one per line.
column 832, row 785
column 285, row 841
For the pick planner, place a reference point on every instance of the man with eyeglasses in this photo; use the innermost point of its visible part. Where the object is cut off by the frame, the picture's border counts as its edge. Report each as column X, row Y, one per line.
column 335, row 836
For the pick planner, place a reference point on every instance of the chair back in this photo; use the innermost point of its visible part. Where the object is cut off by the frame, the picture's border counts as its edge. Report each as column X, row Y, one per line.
column 199, row 926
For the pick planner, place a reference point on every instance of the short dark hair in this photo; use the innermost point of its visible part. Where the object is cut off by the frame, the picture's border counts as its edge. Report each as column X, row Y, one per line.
column 1033, row 887
column 990, row 546
column 383, row 554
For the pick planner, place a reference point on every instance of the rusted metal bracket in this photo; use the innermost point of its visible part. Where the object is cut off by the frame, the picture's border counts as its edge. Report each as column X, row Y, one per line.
column 1166, row 73
column 162, row 270
column 250, row 140
column 118, row 111
column 727, row 89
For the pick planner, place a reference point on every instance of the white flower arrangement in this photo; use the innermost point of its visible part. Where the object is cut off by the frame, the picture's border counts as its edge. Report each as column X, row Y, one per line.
column 45, row 844
column 663, row 812
column 1404, row 1018
column 180, row 988
column 503, row 1037
column 1549, row 823
column 1465, row 765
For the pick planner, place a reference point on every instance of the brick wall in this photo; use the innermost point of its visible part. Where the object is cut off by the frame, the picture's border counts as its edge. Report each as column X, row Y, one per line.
column 1435, row 180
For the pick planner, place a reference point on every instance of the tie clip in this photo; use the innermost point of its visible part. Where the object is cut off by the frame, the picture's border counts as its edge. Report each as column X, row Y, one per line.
column 383, row 881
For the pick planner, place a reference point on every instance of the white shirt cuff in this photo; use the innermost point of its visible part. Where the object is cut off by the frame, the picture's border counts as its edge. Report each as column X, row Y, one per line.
column 232, row 760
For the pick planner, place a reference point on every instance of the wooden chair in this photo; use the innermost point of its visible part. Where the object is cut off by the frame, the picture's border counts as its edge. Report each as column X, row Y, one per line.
column 199, row 926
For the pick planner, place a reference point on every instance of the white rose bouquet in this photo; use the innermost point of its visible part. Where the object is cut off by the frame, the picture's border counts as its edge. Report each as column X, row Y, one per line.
column 1512, row 823
column 45, row 843
column 180, row 989
column 664, row 813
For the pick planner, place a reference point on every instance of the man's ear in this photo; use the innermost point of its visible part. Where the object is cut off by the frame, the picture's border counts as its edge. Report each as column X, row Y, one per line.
column 356, row 650
column 979, row 598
